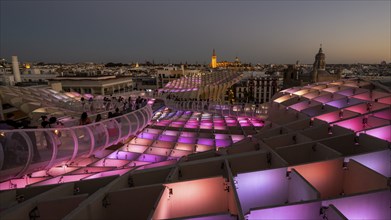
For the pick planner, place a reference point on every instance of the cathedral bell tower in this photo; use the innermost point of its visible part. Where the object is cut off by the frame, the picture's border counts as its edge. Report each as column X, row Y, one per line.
column 213, row 63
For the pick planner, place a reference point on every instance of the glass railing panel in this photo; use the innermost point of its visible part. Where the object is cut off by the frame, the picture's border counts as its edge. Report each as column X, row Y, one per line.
column 133, row 123
column 84, row 139
column 63, row 140
column 113, row 130
column 100, row 135
column 16, row 152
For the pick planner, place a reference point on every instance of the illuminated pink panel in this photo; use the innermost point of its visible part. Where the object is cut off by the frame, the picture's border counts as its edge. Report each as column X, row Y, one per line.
column 368, row 206
column 385, row 100
column 378, row 161
column 151, row 158
column 85, row 170
column 119, row 172
column 356, row 124
column 185, row 147
column 176, row 125
column 172, row 133
column 159, row 164
column 188, row 134
column 385, row 114
column 300, row 211
column 325, row 176
column 262, row 188
column 236, row 137
column 20, row 183
column 123, row 155
column 187, row 140
column 382, row 133
column 217, row 127
column 336, row 116
column 63, row 179
column 110, row 163
column 141, row 141
column 206, row 126
column 370, row 96
column 158, row 151
column 57, row 171
column 215, row 217
column 164, row 144
column 202, row 148
column 179, row 153
column 192, row 198
column 135, row 148
column 303, row 105
column 85, row 161
column 364, row 108
column 191, row 126
column 206, row 141
column 138, row 163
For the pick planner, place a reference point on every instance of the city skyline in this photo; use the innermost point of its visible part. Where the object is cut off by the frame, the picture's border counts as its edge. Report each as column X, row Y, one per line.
column 177, row 31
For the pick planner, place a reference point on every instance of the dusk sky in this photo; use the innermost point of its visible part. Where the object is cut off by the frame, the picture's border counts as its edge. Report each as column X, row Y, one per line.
column 180, row 31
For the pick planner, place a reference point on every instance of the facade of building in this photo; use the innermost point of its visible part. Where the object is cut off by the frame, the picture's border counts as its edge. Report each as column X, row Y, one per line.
column 97, row 85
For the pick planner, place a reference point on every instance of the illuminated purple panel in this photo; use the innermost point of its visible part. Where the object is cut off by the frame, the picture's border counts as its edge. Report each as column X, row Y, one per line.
column 223, row 143
column 385, row 114
column 382, row 133
column 308, row 211
column 205, row 141
column 168, row 138
column 151, row 158
column 378, row 161
column 345, row 102
column 221, row 136
column 329, row 97
column 262, row 188
column 369, row 206
column 187, row 140
column 119, row 172
column 351, row 91
column 147, row 136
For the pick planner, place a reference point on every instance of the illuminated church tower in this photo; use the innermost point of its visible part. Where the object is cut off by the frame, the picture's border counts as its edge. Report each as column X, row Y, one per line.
column 213, row 63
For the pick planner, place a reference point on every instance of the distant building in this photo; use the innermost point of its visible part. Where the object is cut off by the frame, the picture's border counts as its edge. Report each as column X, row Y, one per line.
column 295, row 75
